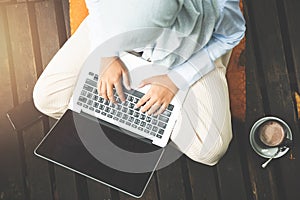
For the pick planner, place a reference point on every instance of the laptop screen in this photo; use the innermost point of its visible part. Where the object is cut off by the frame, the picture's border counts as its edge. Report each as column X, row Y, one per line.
column 63, row 145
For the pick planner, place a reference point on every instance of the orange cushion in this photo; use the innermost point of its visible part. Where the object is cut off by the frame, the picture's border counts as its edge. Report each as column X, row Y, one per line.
column 235, row 74
column 78, row 12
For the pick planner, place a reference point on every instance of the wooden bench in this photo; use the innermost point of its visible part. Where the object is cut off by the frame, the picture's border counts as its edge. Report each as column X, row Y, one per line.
column 31, row 31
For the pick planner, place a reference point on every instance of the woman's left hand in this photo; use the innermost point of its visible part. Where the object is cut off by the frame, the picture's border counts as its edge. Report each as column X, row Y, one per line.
column 160, row 94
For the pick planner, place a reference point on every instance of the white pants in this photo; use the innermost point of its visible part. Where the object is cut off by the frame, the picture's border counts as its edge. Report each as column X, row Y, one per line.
column 205, row 115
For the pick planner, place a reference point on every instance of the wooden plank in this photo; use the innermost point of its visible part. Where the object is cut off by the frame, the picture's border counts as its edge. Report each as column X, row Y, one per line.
column 261, row 180
column 203, row 181
column 170, row 182
column 230, row 175
column 6, row 98
column 278, row 89
column 65, row 186
column 22, row 51
column 11, row 182
column 47, row 30
column 98, row 191
column 38, row 178
column 150, row 193
column 66, row 8
column 291, row 25
column 65, row 180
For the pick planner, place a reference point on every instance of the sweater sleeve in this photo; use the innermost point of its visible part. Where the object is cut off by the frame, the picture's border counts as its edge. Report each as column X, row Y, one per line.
column 229, row 30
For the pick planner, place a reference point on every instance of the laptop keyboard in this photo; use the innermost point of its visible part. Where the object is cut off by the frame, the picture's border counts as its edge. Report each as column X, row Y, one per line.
column 123, row 112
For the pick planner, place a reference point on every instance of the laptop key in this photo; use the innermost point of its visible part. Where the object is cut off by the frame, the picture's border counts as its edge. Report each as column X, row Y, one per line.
column 161, row 131
column 88, row 88
column 89, row 95
column 170, row 107
column 101, row 107
column 146, row 131
column 113, row 111
column 163, row 118
column 90, row 102
column 162, row 125
column 158, row 136
column 136, row 114
column 97, row 111
column 91, row 82
column 167, row 113
column 137, row 121
column 154, row 128
column 125, row 103
column 103, row 113
column 125, row 117
column 91, row 108
column 96, row 104
column 91, row 73
column 149, row 126
column 95, row 98
column 148, row 119
column 143, row 124
column 109, row 116
column 119, row 114
column 122, row 121
column 85, row 106
column 152, row 133
column 130, row 112
column 116, row 119
column 107, row 109
column 83, row 92
column 106, row 102
column 79, row 103
column 134, row 125
column 140, row 128
column 124, row 110
column 82, row 99
column 130, row 119
column 154, row 121
column 96, row 77
column 100, row 100
column 142, row 116
column 131, row 105
column 130, row 98
column 128, row 123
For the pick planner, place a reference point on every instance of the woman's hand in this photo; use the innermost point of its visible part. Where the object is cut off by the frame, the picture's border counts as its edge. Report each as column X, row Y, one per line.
column 160, row 94
column 112, row 71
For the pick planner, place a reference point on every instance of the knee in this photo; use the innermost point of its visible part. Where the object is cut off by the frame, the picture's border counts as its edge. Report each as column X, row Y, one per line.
column 45, row 102
column 212, row 149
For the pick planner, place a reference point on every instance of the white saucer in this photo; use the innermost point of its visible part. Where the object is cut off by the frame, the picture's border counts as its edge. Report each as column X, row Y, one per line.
column 268, row 152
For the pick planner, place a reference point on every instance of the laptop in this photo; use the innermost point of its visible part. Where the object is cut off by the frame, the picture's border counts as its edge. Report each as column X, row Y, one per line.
column 113, row 144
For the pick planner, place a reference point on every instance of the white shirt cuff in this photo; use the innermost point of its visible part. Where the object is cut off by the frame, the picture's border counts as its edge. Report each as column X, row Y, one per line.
column 186, row 74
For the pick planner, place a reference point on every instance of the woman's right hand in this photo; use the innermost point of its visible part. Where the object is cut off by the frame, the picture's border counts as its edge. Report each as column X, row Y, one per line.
column 112, row 71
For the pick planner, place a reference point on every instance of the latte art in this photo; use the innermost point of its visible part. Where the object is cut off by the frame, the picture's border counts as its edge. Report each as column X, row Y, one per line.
column 271, row 133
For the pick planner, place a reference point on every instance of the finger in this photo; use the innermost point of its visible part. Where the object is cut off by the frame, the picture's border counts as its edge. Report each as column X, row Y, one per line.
column 161, row 109
column 110, row 92
column 119, row 91
column 126, row 80
column 142, row 101
column 144, row 82
column 103, row 91
column 154, row 108
column 148, row 105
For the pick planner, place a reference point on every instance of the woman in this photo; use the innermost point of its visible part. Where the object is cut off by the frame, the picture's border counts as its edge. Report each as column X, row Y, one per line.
column 193, row 38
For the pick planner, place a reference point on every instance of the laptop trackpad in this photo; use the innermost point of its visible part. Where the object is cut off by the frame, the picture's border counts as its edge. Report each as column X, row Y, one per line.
column 101, row 152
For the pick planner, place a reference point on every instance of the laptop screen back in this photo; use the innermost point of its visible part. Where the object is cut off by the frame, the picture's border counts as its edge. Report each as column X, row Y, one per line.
column 63, row 145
